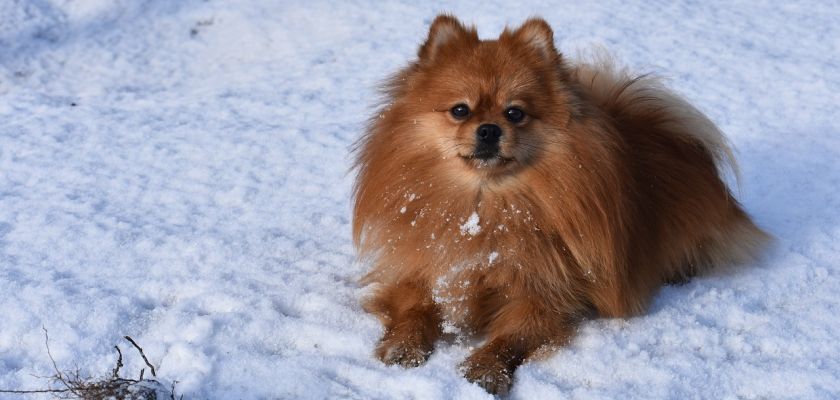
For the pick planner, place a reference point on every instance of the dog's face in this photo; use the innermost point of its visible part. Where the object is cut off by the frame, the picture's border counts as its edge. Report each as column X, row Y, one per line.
column 493, row 105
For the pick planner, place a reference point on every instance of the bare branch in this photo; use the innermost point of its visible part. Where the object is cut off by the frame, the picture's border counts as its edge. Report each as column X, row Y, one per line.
column 78, row 386
column 116, row 373
column 36, row 391
column 58, row 375
column 152, row 367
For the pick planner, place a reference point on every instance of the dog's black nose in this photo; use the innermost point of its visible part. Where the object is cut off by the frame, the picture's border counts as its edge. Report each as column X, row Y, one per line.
column 488, row 134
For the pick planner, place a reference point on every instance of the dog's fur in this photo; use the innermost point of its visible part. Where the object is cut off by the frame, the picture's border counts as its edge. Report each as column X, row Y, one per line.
column 609, row 188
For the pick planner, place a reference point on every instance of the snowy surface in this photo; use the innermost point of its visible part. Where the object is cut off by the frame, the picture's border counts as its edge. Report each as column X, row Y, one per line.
column 177, row 171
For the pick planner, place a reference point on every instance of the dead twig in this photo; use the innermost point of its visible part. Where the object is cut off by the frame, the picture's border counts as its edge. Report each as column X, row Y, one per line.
column 58, row 375
column 35, row 391
column 116, row 372
column 114, row 387
column 152, row 367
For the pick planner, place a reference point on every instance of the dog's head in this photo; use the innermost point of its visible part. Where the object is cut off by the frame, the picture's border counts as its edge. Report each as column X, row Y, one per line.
column 492, row 105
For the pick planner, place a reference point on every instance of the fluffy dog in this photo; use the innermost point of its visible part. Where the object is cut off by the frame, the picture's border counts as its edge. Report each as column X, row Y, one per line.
column 510, row 192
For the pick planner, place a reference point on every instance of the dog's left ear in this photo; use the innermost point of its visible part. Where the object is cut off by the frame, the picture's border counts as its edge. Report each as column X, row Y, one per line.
column 538, row 36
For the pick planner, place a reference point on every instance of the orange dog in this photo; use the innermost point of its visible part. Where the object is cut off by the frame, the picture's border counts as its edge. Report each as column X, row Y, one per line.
column 510, row 192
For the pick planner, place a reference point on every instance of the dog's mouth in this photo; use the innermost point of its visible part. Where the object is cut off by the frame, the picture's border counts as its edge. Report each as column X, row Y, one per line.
column 485, row 159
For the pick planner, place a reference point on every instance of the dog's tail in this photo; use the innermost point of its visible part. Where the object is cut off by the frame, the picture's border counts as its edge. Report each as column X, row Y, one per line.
column 614, row 85
column 732, row 239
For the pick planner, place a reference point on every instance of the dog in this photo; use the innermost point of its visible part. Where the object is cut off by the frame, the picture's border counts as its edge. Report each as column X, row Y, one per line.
column 508, row 193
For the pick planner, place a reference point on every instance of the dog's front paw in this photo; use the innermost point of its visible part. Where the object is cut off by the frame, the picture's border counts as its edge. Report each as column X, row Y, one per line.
column 489, row 373
column 402, row 351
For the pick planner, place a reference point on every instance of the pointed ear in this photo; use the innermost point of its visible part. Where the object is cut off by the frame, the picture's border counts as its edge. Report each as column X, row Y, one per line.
column 445, row 32
column 537, row 35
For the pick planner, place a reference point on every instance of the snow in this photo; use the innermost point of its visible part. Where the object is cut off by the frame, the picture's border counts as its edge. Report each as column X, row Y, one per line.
column 177, row 171
column 471, row 226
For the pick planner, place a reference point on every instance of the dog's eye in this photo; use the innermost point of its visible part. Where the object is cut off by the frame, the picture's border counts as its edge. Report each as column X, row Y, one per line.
column 514, row 114
column 460, row 111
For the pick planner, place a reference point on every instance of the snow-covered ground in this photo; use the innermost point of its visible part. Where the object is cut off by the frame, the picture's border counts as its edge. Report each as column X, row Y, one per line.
column 177, row 171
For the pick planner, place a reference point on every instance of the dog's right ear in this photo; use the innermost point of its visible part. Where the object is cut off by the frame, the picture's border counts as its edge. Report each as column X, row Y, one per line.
column 446, row 33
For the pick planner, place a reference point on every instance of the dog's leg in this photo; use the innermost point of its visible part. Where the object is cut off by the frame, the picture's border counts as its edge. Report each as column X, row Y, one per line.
column 412, row 323
column 520, row 328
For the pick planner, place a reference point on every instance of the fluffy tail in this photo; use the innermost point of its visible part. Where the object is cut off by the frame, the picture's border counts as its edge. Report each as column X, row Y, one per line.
column 737, row 242
column 614, row 87
column 731, row 239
